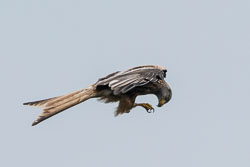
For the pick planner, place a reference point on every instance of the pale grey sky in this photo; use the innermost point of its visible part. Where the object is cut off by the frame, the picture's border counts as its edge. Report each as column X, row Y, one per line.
column 52, row 47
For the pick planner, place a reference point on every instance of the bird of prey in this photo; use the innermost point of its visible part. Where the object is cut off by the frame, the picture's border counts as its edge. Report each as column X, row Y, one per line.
column 120, row 86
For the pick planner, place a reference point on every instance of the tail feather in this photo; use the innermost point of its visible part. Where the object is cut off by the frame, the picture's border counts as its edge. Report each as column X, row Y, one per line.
column 58, row 104
column 39, row 102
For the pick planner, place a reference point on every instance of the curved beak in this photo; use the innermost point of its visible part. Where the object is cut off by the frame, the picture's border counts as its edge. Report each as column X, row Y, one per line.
column 161, row 102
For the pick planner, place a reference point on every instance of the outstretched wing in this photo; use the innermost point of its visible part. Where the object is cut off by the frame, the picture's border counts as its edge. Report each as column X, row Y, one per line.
column 122, row 82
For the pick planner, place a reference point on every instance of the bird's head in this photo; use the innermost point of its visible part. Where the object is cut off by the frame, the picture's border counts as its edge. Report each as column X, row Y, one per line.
column 164, row 95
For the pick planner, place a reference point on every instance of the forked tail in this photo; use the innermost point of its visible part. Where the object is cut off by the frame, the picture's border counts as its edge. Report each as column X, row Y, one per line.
column 58, row 104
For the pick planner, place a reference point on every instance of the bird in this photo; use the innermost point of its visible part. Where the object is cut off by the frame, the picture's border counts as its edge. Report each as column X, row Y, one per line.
column 120, row 86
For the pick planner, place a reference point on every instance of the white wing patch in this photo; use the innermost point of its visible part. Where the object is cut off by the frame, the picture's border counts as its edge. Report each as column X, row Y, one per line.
column 113, row 82
column 122, row 82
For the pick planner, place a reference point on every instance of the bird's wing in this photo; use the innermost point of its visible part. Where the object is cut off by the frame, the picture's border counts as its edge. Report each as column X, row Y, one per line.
column 122, row 82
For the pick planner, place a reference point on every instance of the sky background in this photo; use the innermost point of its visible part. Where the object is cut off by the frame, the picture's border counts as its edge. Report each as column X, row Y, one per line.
column 52, row 47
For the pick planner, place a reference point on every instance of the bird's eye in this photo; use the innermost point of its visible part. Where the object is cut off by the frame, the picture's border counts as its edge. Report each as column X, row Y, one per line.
column 164, row 73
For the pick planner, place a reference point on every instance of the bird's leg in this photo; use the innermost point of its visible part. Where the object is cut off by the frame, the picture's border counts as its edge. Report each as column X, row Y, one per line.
column 147, row 107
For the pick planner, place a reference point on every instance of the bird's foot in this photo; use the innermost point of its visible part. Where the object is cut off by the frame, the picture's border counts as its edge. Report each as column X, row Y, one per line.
column 148, row 107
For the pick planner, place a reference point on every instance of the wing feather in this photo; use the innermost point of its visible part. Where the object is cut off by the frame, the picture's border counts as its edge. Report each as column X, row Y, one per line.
column 123, row 82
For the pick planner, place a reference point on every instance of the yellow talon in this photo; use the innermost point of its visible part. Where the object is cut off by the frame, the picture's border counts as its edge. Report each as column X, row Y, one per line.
column 147, row 107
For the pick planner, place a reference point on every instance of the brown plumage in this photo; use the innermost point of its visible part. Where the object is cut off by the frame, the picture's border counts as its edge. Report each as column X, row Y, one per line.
column 122, row 87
